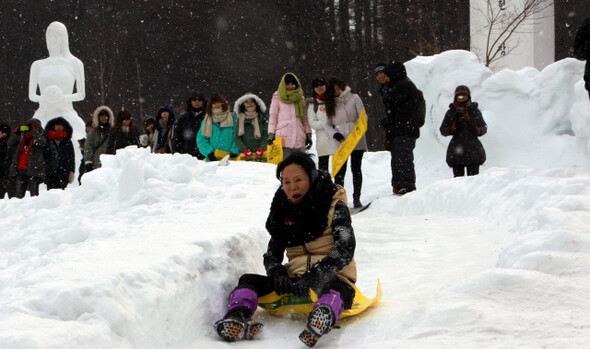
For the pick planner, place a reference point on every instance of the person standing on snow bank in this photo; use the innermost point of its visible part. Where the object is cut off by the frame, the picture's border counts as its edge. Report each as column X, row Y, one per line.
column 465, row 123
column 582, row 49
column 403, row 102
column 251, row 134
column 60, row 159
column 309, row 220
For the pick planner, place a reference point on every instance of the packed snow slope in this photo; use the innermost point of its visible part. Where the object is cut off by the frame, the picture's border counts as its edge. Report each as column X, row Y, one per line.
column 145, row 251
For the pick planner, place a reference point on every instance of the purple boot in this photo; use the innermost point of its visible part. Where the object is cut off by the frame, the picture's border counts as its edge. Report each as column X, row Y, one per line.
column 322, row 319
column 237, row 323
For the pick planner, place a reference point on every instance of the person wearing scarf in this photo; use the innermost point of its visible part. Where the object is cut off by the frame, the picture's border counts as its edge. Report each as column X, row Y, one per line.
column 343, row 109
column 309, row 220
column 59, row 154
column 217, row 129
column 251, row 135
column 465, row 123
column 184, row 136
column 316, row 112
column 28, row 163
column 288, row 117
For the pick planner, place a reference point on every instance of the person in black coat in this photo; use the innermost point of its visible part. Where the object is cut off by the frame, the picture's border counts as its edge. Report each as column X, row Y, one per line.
column 465, row 123
column 164, row 124
column 184, row 138
column 59, row 154
column 401, row 98
column 124, row 133
column 582, row 49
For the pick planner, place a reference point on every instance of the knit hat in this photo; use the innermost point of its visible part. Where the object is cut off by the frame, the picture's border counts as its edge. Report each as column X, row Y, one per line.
column 462, row 90
column 379, row 67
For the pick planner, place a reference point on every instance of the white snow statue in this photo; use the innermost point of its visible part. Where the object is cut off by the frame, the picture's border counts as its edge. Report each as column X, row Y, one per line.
column 56, row 77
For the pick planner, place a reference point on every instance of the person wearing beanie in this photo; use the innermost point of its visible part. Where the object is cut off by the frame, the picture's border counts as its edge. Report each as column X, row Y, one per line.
column 288, row 117
column 217, row 129
column 316, row 114
column 402, row 100
column 97, row 141
column 582, row 49
column 124, row 133
column 59, row 154
column 164, row 123
column 343, row 109
column 251, row 135
column 184, row 136
column 309, row 220
column 27, row 168
column 465, row 123
column 5, row 157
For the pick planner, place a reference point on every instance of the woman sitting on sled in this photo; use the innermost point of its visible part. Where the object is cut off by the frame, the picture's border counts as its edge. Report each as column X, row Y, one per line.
column 310, row 220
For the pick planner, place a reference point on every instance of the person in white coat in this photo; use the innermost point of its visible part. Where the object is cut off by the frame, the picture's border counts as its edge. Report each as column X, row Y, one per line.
column 316, row 113
column 343, row 109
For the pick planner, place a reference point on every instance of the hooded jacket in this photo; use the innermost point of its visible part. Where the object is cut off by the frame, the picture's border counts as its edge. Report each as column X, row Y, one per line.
column 465, row 148
column 59, row 156
column 36, row 165
column 185, row 131
column 400, row 97
column 98, row 138
column 161, row 143
column 247, row 140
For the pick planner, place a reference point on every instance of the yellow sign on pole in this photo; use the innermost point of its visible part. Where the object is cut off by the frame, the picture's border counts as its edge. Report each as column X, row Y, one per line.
column 348, row 145
column 275, row 151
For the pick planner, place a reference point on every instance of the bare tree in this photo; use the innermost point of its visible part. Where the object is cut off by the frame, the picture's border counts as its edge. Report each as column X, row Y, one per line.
column 503, row 21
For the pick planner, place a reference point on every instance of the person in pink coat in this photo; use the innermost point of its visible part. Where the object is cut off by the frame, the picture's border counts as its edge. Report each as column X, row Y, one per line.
column 288, row 117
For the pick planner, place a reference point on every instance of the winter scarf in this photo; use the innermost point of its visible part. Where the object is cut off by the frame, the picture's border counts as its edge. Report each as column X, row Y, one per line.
column 250, row 114
column 295, row 224
column 57, row 135
column 293, row 96
column 24, row 151
column 223, row 118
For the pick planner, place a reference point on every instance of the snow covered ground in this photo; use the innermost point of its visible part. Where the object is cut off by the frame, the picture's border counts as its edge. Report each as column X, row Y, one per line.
column 144, row 253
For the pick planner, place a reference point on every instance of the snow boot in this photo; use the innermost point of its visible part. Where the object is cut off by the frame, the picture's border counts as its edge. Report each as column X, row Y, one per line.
column 323, row 317
column 237, row 323
column 356, row 201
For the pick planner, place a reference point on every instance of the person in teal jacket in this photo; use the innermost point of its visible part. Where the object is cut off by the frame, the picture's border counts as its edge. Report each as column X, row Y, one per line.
column 217, row 129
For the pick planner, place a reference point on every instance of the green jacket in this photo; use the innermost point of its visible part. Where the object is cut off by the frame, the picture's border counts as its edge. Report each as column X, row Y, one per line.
column 247, row 140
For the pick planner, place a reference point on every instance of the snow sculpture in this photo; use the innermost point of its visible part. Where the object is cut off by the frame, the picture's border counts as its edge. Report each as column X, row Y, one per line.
column 55, row 77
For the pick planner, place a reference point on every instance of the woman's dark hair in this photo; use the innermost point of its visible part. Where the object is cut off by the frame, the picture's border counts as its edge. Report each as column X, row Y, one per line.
column 300, row 158
column 315, row 83
column 121, row 116
column 290, row 78
column 217, row 97
column 330, row 96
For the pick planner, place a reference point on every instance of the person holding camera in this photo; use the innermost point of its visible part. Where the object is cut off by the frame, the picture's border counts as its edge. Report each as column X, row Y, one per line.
column 28, row 162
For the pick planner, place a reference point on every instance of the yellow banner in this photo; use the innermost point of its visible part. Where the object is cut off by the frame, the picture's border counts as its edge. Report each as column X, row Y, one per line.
column 348, row 145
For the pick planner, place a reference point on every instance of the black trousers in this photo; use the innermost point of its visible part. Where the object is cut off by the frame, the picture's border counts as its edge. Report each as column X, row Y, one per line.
column 324, row 162
column 459, row 171
column 263, row 285
column 24, row 183
column 402, row 162
column 356, row 160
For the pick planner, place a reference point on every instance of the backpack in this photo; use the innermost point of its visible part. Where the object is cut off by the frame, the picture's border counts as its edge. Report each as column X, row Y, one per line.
column 420, row 115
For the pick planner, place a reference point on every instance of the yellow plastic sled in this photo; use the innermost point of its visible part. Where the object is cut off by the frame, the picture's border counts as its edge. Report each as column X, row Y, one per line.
column 296, row 306
column 348, row 145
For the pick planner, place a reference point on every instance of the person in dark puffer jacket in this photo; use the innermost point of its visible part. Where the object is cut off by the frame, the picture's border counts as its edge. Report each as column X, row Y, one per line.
column 582, row 49
column 400, row 98
column 184, row 138
column 59, row 154
column 310, row 221
column 465, row 123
